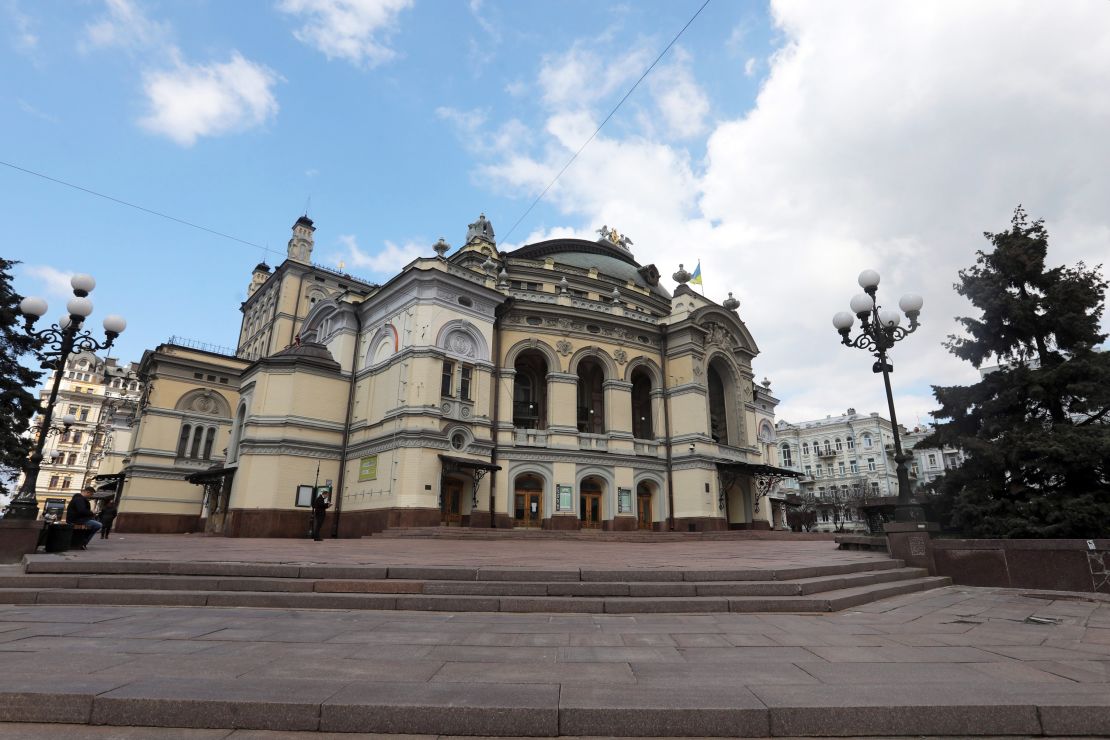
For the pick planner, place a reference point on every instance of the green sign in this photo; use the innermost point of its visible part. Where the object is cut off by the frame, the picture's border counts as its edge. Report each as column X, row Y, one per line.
column 368, row 468
column 562, row 498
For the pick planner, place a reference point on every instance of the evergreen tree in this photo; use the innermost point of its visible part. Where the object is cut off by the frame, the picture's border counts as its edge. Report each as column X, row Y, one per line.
column 1036, row 430
column 17, row 402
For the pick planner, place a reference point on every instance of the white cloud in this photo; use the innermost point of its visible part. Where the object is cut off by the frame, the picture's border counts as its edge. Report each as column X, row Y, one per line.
column 680, row 100
column 389, row 259
column 33, row 111
column 750, row 66
column 190, row 101
column 124, row 26
column 885, row 135
column 53, row 282
column 354, row 30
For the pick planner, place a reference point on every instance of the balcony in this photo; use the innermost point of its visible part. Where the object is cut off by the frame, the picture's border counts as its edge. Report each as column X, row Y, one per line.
column 593, row 442
column 646, row 448
column 526, row 415
column 830, row 452
column 530, row 437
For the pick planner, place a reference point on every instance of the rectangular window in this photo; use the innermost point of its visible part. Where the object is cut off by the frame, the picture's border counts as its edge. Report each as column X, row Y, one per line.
column 464, row 382
column 851, row 443
column 817, row 472
column 871, row 464
column 84, row 416
column 53, row 481
column 809, row 472
column 66, row 481
column 445, row 385
column 874, row 488
column 73, row 409
column 77, row 437
column 72, row 459
column 932, row 461
column 853, row 466
column 841, row 468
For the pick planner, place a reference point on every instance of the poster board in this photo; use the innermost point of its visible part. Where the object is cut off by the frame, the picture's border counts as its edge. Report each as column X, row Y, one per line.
column 304, row 497
column 563, row 495
column 368, row 468
column 624, row 500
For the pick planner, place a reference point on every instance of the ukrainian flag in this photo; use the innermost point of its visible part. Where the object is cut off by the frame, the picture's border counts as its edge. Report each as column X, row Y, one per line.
column 696, row 278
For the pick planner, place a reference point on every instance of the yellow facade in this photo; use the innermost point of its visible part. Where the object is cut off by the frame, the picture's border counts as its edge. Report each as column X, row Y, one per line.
column 556, row 386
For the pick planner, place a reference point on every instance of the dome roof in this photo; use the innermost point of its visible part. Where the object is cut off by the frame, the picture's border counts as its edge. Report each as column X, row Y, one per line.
column 313, row 350
column 261, row 267
column 608, row 258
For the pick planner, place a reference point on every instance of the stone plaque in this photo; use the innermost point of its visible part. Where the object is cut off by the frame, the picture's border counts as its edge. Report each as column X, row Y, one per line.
column 917, row 546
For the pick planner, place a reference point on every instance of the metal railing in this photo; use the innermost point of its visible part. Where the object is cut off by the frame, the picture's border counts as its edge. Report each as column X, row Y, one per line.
column 215, row 349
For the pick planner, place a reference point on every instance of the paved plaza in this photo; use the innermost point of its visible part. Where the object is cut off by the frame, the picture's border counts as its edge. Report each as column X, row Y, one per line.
column 950, row 661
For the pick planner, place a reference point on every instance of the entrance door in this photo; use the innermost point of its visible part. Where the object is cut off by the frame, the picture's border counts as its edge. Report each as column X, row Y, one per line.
column 450, row 511
column 527, row 508
column 590, row 513
column 643, row 510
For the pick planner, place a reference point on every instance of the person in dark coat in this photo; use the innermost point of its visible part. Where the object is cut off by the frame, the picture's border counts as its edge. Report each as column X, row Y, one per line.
column 319, row 510
column 80, row 511
column 107, row 517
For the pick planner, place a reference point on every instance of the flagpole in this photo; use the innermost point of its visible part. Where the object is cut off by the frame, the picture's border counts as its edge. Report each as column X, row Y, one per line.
column 702, row 283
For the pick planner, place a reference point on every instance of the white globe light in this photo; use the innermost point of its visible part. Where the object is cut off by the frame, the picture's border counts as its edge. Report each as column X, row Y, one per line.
column 861, row 303
column 114, row 323
column 33, row 306
column 64, row 321
column 69, row 419
column 911, row 302
column 843, row 320
column 868, row 279
column 78, row 306
column 84, row 282
column 889, row 318
column 55, row 454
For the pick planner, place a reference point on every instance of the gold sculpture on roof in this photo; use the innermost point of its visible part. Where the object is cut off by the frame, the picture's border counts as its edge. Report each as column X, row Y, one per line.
column 614, row 237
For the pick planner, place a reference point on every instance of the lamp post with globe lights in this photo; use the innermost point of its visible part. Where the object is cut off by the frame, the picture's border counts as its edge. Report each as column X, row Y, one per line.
column 879, row 331
column 55, row 345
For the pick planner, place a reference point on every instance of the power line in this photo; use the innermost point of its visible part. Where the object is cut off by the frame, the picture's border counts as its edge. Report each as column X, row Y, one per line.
column 598, row 130
column 138, row 207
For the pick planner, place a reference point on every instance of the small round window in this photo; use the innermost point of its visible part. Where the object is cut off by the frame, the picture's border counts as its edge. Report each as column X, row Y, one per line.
column 458, row 440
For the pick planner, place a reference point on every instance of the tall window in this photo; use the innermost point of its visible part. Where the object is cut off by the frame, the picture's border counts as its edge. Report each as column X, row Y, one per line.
column 871, row 464
column 208, row 440
column 641, row 405
column 77, row 437
column 853, row 466
column 874, row 488
column 828, row 447
column 465, row 374
column 183, row 442
column 841, row 468
column 445, row 383
column 805, row 448
column 932, row 461
column 72, row 459
column 591, row 397
column 84, row 415
column 53, row 481
column 839, row 446
column 851, row 443
column 786, row 460
column 867, row 441
column 66, row 481
column 530, row 391
column 718, row 408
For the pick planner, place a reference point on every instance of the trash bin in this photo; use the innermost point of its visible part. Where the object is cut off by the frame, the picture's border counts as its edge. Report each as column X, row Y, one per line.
column 59, row 537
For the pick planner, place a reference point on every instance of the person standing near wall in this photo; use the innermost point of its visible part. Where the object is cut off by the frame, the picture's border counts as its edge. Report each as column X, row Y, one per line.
column 320, row 506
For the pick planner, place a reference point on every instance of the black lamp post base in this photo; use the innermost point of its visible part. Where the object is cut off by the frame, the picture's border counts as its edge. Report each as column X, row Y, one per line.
column 22, row 509
column 909, row 513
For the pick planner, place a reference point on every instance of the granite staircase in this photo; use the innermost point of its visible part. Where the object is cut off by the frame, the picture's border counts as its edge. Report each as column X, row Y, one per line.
column 829, row 588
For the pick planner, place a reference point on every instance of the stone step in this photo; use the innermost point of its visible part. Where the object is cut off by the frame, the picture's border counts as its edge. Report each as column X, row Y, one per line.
column 594, row 535
column 50, row 564
column 833, row 600
column 633, row 589
column 288, row 705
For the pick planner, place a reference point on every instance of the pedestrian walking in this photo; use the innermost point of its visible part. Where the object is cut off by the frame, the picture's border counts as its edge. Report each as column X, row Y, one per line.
column 107, row 517
column 80, row 512
column 319, row 510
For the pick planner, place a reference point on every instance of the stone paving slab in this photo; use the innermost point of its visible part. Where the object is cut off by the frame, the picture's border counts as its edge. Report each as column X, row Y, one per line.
column 654, row 711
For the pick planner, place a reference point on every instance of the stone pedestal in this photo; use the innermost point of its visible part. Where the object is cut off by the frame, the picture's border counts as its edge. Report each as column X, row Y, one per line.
column 18, row 537
column 909, row 542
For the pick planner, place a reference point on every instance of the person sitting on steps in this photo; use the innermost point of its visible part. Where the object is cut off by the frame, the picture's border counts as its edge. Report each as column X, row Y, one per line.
column 80, row 511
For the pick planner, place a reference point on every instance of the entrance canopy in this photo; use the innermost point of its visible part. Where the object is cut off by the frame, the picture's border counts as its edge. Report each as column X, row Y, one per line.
column 109, row 483
column 756, row 469
column 458, row 463
column 212, row 475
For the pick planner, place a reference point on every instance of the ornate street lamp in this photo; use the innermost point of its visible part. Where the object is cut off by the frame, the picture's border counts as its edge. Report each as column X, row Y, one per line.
column 879, row 330
column 55, row 346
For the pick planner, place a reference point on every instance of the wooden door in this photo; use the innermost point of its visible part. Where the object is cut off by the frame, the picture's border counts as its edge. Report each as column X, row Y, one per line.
column 450, row 512
column 643, row 511
column 527, row 508
column 590, row 513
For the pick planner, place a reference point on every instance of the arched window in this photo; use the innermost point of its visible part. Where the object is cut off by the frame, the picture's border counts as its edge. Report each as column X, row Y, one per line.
column 828, row 447
column 530, row 391
column 642, row 427
column 208, row 440
column 786, row 459
column 183, row 442
column 194, row 451
column 718, row 408
column 805, row 448
column 236, row 435
column 839, row 445
column 591, row 397
column 867, row 441
column 851, row 442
